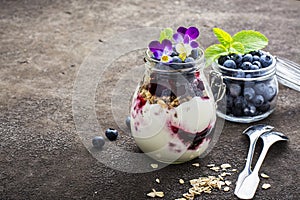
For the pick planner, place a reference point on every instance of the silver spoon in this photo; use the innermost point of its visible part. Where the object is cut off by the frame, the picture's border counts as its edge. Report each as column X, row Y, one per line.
column 253, row 133
column 250, row 183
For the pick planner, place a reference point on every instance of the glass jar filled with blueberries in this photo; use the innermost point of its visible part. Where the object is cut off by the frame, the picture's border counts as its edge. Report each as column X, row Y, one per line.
column 251, row 86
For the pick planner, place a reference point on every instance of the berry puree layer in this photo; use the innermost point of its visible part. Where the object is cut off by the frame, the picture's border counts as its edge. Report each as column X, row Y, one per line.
column 171, row 129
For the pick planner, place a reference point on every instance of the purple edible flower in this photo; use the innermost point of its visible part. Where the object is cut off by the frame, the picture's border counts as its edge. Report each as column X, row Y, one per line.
column 185, row 39
column 161, row 51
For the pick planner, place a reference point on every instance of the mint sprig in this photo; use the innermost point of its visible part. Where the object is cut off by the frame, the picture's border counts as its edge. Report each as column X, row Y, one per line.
column 167, row 33
column 242, row 42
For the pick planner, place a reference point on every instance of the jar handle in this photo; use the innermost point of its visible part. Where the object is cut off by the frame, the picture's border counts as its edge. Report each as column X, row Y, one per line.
column 216, row 82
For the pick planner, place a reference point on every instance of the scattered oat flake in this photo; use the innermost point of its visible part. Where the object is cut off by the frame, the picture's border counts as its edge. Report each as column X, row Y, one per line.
column 234, row 170
column 266, row 186
column 211, row 165
column 226, row 189
column 157, row 180
column 215, row 168
column 228, row 183
column 181, row 181
column 154, row 193
column 154, row 166
column 264, row 175
column 225, row 166
column 196, row 164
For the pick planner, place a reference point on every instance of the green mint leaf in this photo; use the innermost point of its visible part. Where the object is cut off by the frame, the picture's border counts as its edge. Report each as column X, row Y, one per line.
column 213, row 52
column 237, row 48
column 167, row 33
column 252, row 40
column 224, row 38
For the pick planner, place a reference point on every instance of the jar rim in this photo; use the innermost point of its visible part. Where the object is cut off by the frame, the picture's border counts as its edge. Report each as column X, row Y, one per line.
column 194, row 63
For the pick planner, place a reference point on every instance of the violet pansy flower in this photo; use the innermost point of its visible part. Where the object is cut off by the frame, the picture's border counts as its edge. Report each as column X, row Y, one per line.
column 185, row 39
column 161, row 51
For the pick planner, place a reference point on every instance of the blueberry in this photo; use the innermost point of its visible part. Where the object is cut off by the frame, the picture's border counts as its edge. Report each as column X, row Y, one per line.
column 269, row 93
column 264, row 107
column 249, row 93
column 111, row 134
column 239, row 74
column 260, row 88
column 247, row 58
column 252, row 110
column 176, row 59
column 248, row 76
column 98, row 142
column 195, row 53
column 235, row 90
column 258, row 100
column 249, row 84
column 246, row 65
column 222, row 59
column 239, row 102
column 166, row 93
column 237, row 58
column 189, row 59
column 229, row 64
column 247, row 111
column 266, row 60
column 229, row 101
column 174, row 53
column 255, row 58
column 127, row 121
column 254, row 67
column 257, row 63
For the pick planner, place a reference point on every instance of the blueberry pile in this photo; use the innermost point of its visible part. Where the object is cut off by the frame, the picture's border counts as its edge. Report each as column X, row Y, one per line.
column 248, row 97
column 176, row 62
column 252, row 61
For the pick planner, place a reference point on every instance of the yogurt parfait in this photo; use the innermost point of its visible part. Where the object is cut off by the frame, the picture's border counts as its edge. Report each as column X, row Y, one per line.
column 173, row 110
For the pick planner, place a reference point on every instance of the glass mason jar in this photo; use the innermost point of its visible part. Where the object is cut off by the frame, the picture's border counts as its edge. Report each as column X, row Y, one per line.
column 251, row 95
column 173, row 111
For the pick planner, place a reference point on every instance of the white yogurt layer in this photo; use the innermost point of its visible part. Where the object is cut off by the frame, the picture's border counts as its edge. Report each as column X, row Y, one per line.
column 153, row 128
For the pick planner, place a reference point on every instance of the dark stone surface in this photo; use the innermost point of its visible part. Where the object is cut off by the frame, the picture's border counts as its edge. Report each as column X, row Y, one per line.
column 43, row 44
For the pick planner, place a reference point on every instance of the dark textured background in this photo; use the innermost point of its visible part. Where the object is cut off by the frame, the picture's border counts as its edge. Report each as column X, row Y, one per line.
column 43, row 44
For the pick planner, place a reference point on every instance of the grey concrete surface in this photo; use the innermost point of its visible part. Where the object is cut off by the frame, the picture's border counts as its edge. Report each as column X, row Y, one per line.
column 43, row 44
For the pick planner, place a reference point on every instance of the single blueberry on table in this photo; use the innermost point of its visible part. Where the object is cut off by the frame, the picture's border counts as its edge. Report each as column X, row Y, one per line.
column 247, row 58
column 98, row 142
column 257, row 63
column 111, row 134
column 266, row 60
column 229, row 64
column 246, row 65
column 235, row 90
column 258, row 100
column 249, row 93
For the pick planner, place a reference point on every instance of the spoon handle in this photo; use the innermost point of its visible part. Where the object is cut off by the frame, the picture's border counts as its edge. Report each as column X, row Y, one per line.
column 248, row 187
column 247, row 169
